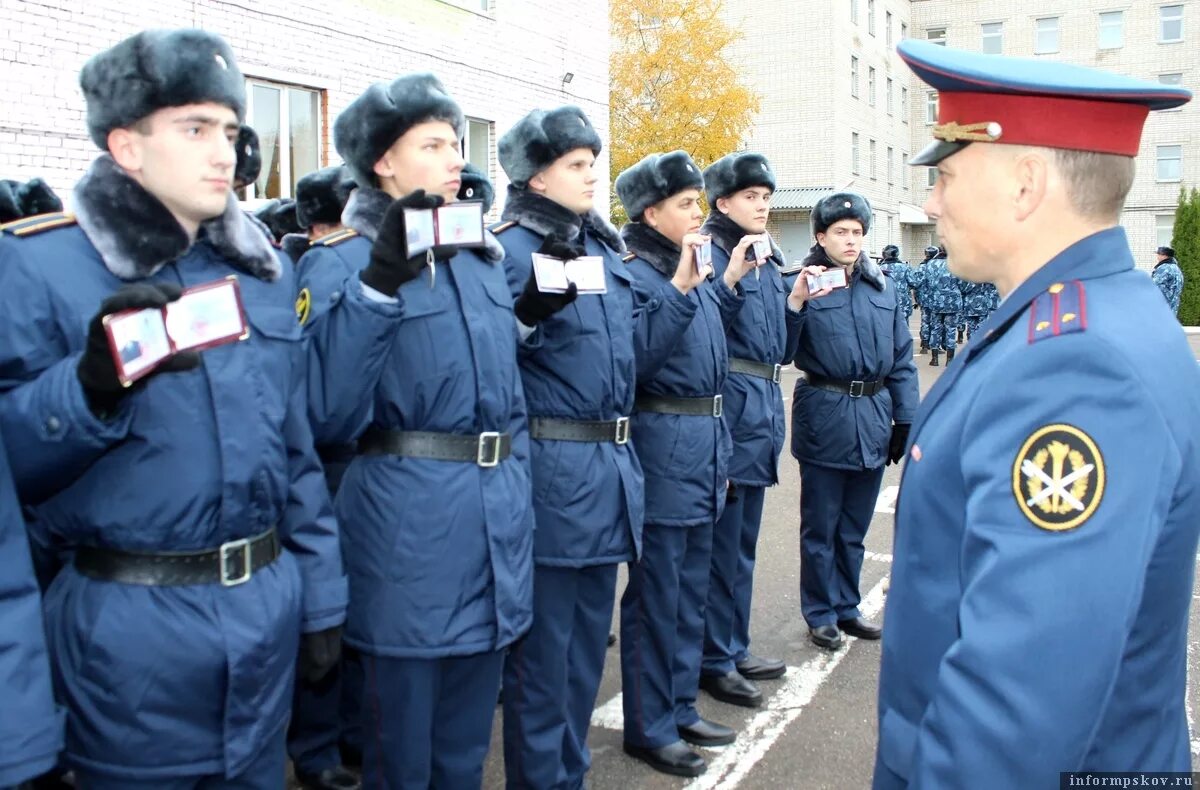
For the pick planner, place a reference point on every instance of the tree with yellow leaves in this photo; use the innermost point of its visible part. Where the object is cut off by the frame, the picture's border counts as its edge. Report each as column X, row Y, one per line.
column 670, row 85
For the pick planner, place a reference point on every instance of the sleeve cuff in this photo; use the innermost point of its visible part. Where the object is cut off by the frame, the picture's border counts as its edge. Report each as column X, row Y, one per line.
column 325, row 603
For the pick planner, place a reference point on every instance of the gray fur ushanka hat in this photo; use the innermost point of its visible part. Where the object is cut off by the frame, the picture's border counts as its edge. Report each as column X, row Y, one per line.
column 656, row 178
column 540, row 138
column 321, row 195
column 734, row 172
column 839, row 206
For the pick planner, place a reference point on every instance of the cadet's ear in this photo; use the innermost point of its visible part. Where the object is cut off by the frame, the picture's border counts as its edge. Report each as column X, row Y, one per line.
column 722, row 205
column 126, row 149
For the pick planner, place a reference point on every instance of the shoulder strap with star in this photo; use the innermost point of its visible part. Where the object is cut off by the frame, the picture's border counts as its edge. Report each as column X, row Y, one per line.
column 335, row 238
column 40, row 223
column 1061, row 310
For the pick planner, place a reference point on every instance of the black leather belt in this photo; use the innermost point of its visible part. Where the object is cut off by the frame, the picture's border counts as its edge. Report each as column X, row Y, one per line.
column 699, row 407
column 485, row 449
column 337, row 453
column 580, row 430
column 752, row 368
column 231, row 564
column 855, row 389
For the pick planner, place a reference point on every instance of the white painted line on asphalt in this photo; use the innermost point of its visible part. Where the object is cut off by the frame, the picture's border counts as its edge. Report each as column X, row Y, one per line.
column 728, row 768
column 610, row 715
column 1187, row 702
column 874, row 555
column 886, row 503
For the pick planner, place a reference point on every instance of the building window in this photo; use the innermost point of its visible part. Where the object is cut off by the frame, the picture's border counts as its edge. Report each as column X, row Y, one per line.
column 871, row 17
column 871, row 85
column 854, row 11
column 477, row 144
column 854, row 152
column 288, row 121
column 993, row 37
column 1170, row 162
column 1046, row 36
column 931, row 174
column 904, row 163
column 936, row 35
column 903, row 30
column 1171, row 79
column 871, row 160
column 887, row 24
column 1170, row 23
column 931, row 107
column 891, row 165
column 1164, row 228
column 1112, row 30
column 887, row 98
column 904, row 104
column 853, row 76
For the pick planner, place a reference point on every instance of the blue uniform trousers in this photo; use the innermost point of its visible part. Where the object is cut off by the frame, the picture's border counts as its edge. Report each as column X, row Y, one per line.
column 835, row 510
column 427, row 723
column 351, row 706
column 662, row 633
column 315, row 726
column 943, row 331
column 731, row 581
column 973, row 322
column 552, row 676
column 267, row 772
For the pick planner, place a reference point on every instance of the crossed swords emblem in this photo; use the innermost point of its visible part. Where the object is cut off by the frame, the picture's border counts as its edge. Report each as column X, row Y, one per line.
column 1055, row 487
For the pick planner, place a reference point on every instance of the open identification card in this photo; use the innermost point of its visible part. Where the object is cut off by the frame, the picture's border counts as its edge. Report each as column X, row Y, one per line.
column 204, row 316
column 555, row 276
column 830, row 278
column 459, row 224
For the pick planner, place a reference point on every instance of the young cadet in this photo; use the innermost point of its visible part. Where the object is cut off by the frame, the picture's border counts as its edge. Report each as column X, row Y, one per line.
column 683, row 445
column 851, row 411
column 761, row 339
column 26, row 199
column 415, row 357
column 320, row 197
column 578, row 368
column 192, row 502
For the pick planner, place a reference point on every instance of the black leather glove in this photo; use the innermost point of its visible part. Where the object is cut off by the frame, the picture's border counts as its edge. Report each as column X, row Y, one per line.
column 319, row 653
column 899, row 442
column 97, row 371
column 557, row 247
column 390, row 268
column 534, row 306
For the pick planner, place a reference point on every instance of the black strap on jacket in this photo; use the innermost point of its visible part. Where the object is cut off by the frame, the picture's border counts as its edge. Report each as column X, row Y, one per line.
column 580, row 430
column 485, row 449
column 855, row 389
column 752, row 367
column 231, row 563
column 696, row 407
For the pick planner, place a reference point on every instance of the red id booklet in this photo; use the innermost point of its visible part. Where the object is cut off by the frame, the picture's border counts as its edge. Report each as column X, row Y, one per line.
column 204, row 316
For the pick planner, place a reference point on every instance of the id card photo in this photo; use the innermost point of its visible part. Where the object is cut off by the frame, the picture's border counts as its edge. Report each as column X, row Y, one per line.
column 139, row 341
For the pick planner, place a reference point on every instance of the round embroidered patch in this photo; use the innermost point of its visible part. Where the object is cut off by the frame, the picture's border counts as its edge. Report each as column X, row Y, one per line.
column 1058, row 477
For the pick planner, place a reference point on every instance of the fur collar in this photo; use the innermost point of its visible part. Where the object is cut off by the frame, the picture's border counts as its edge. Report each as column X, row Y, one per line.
column 1165, row 262
column 652, row 247
column 136, row 235
column 364, row 214
column 726, row 234
column 868, row 268
column 295, row 245
column 544, row 217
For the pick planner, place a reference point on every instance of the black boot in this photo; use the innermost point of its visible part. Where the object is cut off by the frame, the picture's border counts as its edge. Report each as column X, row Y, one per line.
column 949, row 355
column 924, row 348
column 933, row 363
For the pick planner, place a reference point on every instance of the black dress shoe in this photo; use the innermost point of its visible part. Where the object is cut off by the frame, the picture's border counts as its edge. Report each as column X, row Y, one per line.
column 674, row 758
column 826, row 636
column 732, row 688
column 755, row 668
column 861, row 627
column 330, row 779
column 707, row 733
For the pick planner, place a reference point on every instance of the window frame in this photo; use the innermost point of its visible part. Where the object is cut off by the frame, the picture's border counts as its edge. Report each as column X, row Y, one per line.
column 854, row 76
column 1101, row 26
column 931, row 107
column 854, row 141
column 1163, row 20
column 887, row 33
column 938, row 40
column 984, row 36
column 286, row 180
column 1179, row 82
column 1158, row 160
column 871, row 17
column 871, row 80
column 1158, row 228
column 1037, row 35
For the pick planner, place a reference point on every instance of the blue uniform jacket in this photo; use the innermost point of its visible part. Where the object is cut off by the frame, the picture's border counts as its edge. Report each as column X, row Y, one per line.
column 1046, row 537
column 166, row 680
column 764, row 330
column 31, row 732
column 579, row 364
column 685, row 457
column 439, row 553
column 857, row 333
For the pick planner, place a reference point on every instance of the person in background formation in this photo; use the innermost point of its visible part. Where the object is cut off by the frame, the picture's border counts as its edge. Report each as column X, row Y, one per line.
column 683, row 445
column 26, row 199
column 902, row 275
column 414, row 357
column 976, row 305
column 851, row 411
column 1048, row 517
column 320, row 197
column 203, row 549
column 921, row 292
column 476, row 186
column 761, row 338
column 942, row 297
column 249, row 158
column 1168, row 276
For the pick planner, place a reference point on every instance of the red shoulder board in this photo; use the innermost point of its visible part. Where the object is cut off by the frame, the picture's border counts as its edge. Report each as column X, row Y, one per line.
column 1061, row 310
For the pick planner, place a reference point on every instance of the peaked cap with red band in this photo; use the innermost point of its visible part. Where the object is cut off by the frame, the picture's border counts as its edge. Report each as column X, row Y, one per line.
column 1023, row 101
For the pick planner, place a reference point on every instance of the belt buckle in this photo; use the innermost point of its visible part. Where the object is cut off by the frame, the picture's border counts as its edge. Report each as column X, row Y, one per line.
column 227, row 554
column 718, row 405
column 859, row 386
column 622, row 436
column 487, row 452
column 777, row 374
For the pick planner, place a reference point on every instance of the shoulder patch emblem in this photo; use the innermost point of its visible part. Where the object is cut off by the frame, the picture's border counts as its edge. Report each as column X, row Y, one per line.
column 303, row 306
column 1058, row 477
column 39, row 223
column 1061, row 310
column 335, row 238
column 500, row 227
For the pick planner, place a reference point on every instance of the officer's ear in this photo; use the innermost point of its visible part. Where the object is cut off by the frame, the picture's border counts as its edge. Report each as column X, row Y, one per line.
column 1030, row 174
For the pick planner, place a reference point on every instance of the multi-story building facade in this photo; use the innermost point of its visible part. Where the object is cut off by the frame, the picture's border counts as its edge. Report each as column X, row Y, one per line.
column 304, row 61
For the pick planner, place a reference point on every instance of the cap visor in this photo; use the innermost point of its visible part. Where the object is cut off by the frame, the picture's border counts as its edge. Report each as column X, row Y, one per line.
column 936, row 152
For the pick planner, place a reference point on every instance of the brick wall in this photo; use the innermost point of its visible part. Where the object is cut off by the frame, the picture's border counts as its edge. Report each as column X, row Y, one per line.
column 498, row 64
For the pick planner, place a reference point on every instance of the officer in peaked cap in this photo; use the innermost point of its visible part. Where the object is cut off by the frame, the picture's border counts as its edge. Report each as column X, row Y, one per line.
column 1048, row 516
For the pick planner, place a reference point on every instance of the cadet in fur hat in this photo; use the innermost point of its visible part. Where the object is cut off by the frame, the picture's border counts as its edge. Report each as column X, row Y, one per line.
column 26, row 199
column 1168, row 276
column 761, row 340
column 202, row 539
column 851, row 411
column 417, row 356
column 683, row 444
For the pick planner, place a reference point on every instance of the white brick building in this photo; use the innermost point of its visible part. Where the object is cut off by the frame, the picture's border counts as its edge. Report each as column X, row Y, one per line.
column 306, row 60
